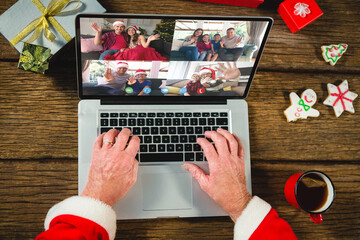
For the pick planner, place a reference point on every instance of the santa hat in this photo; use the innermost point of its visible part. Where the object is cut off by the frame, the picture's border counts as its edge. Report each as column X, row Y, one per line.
column 122, row 64
column 135, row 28
column 208, row 70
column 119, row 22
column 140, row 71
column 196, row 73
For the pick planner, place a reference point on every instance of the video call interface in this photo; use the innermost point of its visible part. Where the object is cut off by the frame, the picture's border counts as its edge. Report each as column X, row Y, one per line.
column 168, row 57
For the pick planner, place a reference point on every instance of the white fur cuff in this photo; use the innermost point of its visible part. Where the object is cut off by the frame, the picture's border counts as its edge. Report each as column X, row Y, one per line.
column 251, row 218
column 88, row 208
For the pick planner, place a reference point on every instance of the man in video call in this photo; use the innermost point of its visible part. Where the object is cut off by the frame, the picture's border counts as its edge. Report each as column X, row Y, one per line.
column 113, row 41
column 118, row 79
column 229, row 44
column 138, row 83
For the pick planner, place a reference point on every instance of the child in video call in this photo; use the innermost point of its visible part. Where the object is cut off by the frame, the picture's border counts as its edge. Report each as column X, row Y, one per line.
column 193, row 85
column 209, row 81
column 215, row 46
column 204, row 45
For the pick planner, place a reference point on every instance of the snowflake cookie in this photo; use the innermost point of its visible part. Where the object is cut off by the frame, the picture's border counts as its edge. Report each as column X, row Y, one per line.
column 333, row 53
column 301, row 107
column 340, row 98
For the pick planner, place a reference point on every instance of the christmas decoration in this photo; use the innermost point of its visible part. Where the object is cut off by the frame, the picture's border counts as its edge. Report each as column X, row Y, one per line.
column 166, row 29
column 333, row 53
column 340, row 98
column 301, row 9
column 34, row 58
column 300, row 108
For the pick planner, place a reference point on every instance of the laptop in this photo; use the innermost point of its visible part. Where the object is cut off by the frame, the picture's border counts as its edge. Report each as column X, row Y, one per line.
column 168, row 85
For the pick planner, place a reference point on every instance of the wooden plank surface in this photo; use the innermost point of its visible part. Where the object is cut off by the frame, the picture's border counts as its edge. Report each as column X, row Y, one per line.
column 285, row 51
column 30, row 188
column 40, row 112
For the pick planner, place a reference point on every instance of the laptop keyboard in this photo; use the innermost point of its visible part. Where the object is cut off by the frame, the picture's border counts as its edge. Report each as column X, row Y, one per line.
column 166, row 136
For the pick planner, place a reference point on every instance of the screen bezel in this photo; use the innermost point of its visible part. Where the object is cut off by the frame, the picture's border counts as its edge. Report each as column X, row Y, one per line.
column 154, row 99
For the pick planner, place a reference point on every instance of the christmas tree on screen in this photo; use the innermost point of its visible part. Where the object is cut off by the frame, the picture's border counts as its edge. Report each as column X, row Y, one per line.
column 166, row 29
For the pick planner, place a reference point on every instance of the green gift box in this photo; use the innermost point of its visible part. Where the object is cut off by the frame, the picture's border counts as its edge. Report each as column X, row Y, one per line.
column 34, row 58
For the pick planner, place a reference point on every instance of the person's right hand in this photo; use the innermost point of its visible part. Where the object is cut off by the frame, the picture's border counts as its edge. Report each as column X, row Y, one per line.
column 108, row 75
column 193, row 39
column 226, row 182
column 96, row 28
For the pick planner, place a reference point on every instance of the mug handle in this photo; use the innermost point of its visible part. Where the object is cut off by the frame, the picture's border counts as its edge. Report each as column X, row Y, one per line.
column 317, row 218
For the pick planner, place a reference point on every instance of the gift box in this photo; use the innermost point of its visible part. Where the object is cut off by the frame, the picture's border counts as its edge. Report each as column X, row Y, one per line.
column 299, row 13
column 242, row 3
column 34, row 58
column 18, row 21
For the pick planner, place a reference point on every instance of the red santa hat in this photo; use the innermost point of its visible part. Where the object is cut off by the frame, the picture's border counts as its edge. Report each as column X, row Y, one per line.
column 119, row 22
column 123, row 64
column 140, row 71
column 135, row 28
column 208, row 70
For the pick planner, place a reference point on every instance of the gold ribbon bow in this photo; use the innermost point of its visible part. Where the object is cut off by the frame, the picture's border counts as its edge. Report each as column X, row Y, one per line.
column 42, row 23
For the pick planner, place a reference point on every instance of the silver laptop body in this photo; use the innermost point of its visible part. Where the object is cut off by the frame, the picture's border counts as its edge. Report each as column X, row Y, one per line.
column 162, row 189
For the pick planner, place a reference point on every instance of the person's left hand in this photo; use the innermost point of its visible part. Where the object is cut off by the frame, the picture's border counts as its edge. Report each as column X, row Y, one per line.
column 131, row 80
column 113, row 169
column 154, row 37
column 230, row 72
column 238, row 40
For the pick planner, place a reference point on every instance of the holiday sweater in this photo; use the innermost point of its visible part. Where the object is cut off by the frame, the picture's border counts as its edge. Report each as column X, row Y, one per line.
column 84, row 218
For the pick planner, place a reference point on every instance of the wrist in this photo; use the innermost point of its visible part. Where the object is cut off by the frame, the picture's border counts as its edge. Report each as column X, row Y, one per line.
column 239, row 207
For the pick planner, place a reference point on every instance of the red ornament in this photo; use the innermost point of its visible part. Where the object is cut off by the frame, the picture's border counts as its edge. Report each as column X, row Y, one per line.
column 299, row 13
column 242, row 3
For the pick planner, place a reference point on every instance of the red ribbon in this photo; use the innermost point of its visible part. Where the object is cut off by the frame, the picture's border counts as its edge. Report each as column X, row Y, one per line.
column 340, row 97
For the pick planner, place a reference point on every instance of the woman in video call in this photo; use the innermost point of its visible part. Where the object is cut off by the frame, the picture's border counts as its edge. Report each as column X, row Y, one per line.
column 189, row 45
column 138, row 48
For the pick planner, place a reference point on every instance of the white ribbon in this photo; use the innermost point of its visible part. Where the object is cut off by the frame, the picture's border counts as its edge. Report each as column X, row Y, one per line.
column 301, row 9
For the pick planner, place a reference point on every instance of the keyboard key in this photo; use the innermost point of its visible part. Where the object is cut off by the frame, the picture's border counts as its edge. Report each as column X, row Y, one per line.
column 119, row 128
column 136, row 131
column 190, row 130
column 122, row 122
column 104, row 115
column 179, row 147
column 170, row 147
column 225, row 127
column 132, row 122
column 188, row 114
column 141, row 139
column 185, row 121
column 174, row 139
column 211, row 121
column 113, row 122
column 163, row 130
column 141, row 122
column 151, row 114
column 188, row 147
column 179, row 114
column 192, row 139
column 158, row 122
column 172, row 130
column 132, row 114
column 152, row 148
column 156, row 157
column 145, row 131
column 176, row 121
column 197, row 114
column 221, row 121
column 142, row 115
column 154, row 130
column 202, row 121
column 207, row 129
column 198, row 130
column 149, row 122
column 102, row 130
column 181, row 130
column 161, row 147
column 147, row 139
column 193, row 121
column 214, row 114
column 169, row 114
column 223, row 114
column 114, row 115
column 160, row 114
column 123, row 115
column 205, row 114
column 199, row 156
column 156, row 139
column 189, row 157
column 143, row 148
column 197, row 147
column 165, row 139
column 183, row 139
column 214, row 128
column 167, row 121
column 104, row 122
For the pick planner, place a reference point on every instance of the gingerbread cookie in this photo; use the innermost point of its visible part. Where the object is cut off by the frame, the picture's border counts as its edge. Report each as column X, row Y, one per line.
column 340, row 98
column 301, row 107
column 333, row 53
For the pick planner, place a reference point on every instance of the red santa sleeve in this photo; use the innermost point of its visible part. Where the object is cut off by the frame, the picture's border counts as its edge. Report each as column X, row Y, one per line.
column 260, row 221
column 80, row 218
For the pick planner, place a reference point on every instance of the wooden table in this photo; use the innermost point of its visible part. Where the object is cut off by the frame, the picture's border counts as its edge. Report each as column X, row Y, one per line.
column 38, row 119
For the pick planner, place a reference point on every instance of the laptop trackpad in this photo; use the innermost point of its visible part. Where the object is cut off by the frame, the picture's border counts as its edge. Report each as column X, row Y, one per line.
column 166, row 191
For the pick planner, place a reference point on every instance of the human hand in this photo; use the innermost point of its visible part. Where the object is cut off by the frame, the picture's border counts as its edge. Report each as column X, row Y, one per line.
column 131, row 80
column 96, row 28
column 230, row 72
column 154, row 37
column 226, row 182
column 193, row 39
column 222, row 42
column 113, row 169
column 238, row 40
column 108, row 75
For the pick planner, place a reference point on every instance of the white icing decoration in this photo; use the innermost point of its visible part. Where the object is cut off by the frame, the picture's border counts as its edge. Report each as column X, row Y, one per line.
column 301, row 9
column 301, row 108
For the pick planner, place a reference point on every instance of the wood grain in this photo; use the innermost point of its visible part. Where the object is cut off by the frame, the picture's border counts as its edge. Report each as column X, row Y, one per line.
column 284, row 51
column 30, row 188
column 40, row 115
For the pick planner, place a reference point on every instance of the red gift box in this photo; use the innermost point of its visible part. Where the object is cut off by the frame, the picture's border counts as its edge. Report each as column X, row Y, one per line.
column 242, row 3
column 299, row 13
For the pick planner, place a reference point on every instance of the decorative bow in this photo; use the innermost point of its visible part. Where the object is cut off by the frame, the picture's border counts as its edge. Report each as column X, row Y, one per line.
column 302, row 103
column 36, row 61
column 42, row 22
column 301, row 9
column 340, row 96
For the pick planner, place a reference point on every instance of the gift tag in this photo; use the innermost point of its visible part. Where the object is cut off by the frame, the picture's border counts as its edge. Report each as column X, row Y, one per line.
column 300, row 108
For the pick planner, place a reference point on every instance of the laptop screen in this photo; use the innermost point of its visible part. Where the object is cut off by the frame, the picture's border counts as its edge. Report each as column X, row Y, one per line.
column 168, row 56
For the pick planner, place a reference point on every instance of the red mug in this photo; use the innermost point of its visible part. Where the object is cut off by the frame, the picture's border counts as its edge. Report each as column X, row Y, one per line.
column 311, row 191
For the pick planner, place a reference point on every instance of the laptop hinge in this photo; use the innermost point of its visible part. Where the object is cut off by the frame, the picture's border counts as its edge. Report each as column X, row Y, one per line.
column 163, row 101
